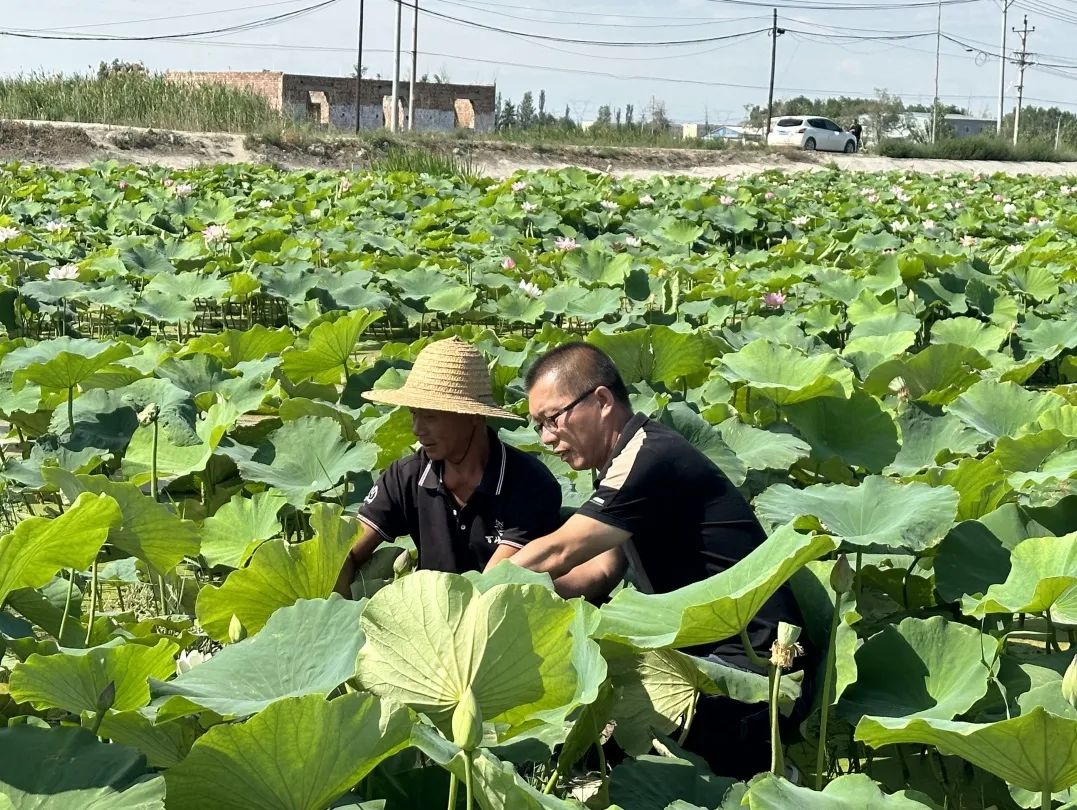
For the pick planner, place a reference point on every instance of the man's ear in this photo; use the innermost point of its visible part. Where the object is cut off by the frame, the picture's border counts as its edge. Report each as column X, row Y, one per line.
column 605, row 397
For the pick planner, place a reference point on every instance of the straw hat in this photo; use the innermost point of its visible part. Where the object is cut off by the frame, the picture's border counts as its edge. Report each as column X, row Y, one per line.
column 449, row 375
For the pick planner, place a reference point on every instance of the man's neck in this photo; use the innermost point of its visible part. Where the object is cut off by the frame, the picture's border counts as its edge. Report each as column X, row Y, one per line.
column 617, row 429
column 463, row 475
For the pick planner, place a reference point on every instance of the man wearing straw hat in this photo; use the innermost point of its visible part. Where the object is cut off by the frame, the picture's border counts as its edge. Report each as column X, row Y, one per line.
column 464, row 493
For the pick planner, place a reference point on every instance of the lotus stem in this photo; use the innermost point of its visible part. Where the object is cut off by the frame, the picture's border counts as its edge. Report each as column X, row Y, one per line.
column 749, row 651
column 71, row 408
column 689, row 716
column 154, row 492
column 1046, row 799
column 468, row 790
column 452, row 791
column 67, row 604
column 828, row 688
column 859, row 575
column 1052, row 638
column 777, row 759
column 93, row 602
column 552, row 781
column 99, row 718
column 905, row 580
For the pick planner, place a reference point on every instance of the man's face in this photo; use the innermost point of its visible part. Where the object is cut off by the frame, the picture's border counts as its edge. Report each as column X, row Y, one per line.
column 578, row 435
column 443, row 435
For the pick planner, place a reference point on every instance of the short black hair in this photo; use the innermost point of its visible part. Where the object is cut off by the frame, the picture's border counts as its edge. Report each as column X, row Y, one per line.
column 581, row 367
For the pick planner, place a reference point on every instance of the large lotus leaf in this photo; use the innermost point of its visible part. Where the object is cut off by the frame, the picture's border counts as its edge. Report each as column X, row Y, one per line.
column 194, row 374
column 854, row 791
column 64, row 768
column 189, row 286
column 176, row 411
column 654, row 782
column 164, row 744
column 1036, row 751
column 817, row 602
column 879, row 514
column 297, row 754
column 968, row 332
column 145, row 260
column 706, row 438
column 75, row 680
column 1042, row 569
column 102, row 419
column 920, row 668
column 1049, row 338
column 451, row 298
column 924, row 437
column 496, row 784
column 160, row 308
column 279, row 574
column 523, row 652
column 785, row 375
column 595, row 305
column 981, row 485
column 234, row 346
column 62, row 362
column 594, row 265
column 658, row 688
column 1003, row 408
column 51, row 451
column 935, row 375
column 175, row 460
column 306, row 457
column 762, row 449
column 712, row 609
column 235, row 530
column 151, row 531
column 328, row 347
column 285, row 659
column 659, row 354
column 825, row 421
column 39, row 547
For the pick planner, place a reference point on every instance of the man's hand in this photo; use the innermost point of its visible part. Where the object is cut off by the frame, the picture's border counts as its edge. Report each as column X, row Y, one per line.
column 580, row 539
column 360, row 554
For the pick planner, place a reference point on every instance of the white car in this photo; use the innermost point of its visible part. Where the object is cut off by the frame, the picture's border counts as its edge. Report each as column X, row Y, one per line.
column 811, row 133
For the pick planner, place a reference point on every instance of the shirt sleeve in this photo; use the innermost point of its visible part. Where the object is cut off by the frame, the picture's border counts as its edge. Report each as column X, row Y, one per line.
column 625, row 493
column 384, row 508
column 534, row 512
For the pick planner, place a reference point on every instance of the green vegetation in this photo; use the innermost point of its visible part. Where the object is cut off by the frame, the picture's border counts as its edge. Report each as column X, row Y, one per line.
column 980, row 147
column 886, row 365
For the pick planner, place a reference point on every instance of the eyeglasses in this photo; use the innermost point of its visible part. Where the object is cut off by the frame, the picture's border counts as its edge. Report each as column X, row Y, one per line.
column 550, row 422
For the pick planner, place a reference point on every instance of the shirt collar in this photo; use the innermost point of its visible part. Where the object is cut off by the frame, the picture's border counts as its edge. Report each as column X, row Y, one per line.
column 493, row 477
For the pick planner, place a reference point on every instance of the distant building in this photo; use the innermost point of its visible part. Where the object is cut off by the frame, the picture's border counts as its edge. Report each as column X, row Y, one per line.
column 966, row 126
column 732, row 132
column 330, row 100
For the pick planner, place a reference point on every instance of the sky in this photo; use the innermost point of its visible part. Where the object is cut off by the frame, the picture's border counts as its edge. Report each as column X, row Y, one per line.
column 708, row 81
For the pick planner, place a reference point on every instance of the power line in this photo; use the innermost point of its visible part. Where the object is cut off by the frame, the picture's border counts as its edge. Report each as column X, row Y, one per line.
column 681, row 22
column 214, row 13
column 809, row 6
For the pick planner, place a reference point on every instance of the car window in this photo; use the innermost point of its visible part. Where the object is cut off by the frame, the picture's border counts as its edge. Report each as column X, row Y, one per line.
column 789, row 122
column 817, row 123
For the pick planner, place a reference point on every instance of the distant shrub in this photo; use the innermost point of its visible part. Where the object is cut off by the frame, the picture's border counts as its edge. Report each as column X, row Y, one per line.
column 979, row 147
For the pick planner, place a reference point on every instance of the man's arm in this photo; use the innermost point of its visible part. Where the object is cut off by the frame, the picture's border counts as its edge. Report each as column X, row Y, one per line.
column 595, row 578
column 579, row 540
column 360, row 554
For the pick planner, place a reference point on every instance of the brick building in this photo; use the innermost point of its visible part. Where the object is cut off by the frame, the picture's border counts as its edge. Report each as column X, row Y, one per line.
column 331, row 100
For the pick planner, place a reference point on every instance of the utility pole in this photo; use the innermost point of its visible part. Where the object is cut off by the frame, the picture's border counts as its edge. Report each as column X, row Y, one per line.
column 359, row 74
column 1022, row 63
column 1058, row 131
column 414, row 65
column 938, row 50
column 774, row 32
column 1002, row 69
column 394, row 117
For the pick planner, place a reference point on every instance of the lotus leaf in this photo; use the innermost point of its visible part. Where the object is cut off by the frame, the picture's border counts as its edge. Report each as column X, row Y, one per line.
column 762, row 449
column 658, row 354
column 653, row 782
column 234, row 346
column 1042, row 569
column 855, row 791
column 1003, row 408
column 61, row 363
column 163, row 744
column 174, row 460
column 824, row 422
column 787, row 376
column 235, row 530
column 328, row 347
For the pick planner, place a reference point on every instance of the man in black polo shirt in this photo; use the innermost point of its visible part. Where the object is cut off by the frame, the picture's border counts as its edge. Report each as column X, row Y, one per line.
column 675, row 515
column 465, row 492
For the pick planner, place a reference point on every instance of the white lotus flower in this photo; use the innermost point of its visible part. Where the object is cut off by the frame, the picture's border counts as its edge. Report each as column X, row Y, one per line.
column 8, row 233
column 565, row 243
column 800, row 222
column 968, row 241
column 315, row 215
column 215, row 233
column 55, row 226
column 646, row 199
column 725, row 199
column 899, row 225
column 519, row 186
column 265, row 203
column 530, row 289
column 1015, row 248
column 929, row 225
column 189, row 659
column 1009, row 208
column 68, row 272
column 529, row 207
column 345, row 184
column 183, row 190
column 610, row 205
column 633, row 241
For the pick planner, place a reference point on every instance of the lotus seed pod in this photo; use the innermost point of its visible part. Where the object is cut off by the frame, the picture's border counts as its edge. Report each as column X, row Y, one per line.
column 149, row 414
column 841, row 576
column 467, row 722
column 785, row 647
column 1069, row 683
column 236, row 630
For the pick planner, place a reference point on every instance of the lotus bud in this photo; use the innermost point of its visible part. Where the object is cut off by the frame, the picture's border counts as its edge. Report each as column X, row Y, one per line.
column 149, row 414
column 467, row 722
column 899, row 388
column 841, row 576
column 785, row 647
column 107, row 698
column 1069, row 683
column 236, row 630
column 402, row 565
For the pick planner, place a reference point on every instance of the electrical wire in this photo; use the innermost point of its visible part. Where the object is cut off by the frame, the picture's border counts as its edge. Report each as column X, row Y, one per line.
column 214, row 13
column 681, row 22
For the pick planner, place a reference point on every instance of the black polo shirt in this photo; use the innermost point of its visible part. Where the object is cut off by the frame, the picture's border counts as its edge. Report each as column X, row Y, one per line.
column 687, row 520
column 517, row 500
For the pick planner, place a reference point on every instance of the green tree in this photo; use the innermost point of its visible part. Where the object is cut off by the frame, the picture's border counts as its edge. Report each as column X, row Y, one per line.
column 604, row 117
column 542, row 106
column 526, row 114
column 630, row 115
column 508, row 116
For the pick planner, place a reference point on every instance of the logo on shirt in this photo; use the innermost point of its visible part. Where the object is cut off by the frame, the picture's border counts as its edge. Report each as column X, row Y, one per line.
column 499, row 527
column 370, row 496
column 599, row 501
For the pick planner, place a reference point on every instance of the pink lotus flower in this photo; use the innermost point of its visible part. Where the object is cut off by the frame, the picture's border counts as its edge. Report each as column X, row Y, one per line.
column 215, row 233
column 529, row 207
column 770, row 195
column 873, row 198
column 565, row 243
column 976, row 178
column 122, row 185
column 508, row 263
column 725, row 199
column 774, row 300
column 8, row 233
column 1033, row 220
column 519, row 186
column 68, row 272
column 999, row 198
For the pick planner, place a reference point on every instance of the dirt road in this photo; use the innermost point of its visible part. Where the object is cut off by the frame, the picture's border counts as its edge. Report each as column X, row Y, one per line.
column 72, row 145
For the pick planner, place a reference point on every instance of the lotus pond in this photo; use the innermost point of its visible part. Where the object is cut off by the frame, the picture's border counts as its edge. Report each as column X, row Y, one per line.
column 886, row 365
